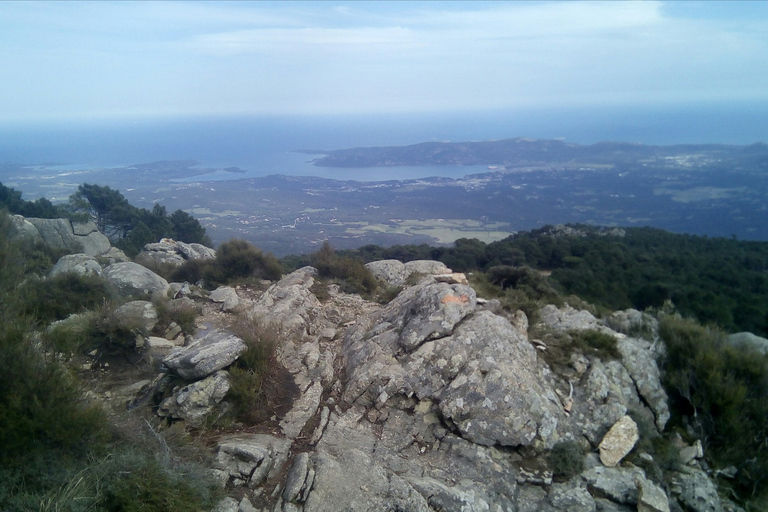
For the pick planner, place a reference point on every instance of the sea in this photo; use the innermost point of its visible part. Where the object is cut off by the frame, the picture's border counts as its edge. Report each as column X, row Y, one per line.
column 265, row 145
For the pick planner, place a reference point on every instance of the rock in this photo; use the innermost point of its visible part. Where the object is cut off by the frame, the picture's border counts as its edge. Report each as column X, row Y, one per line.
column 571, row 497
column 113, row 255
column 480, row 370
column 619, row 441
column 690, row 453
column 131, row 279
column 63, row 234
column 172, row 332
column 171, row 252
column 640, row 362
column 290, row 304
column 195, row 402
column 616, row 484
column 227, row 505
column 251, row 459
column 567, row 318
column 426, row 267
column 651, row 497
column 696, row 491
column 633, row 323
column 366, row 486
column 303, row 409
column 297, row 477
column 394, row 273
column 391, row 272
column 246, row 506
column 212, row 352
column 454, row 278
column 227, row 297
column 80, row 264
column 136, row 315
column 747, row 339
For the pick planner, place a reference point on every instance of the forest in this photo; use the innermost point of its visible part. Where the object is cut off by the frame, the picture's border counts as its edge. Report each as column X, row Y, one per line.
column 129, row 228
column 723, row 281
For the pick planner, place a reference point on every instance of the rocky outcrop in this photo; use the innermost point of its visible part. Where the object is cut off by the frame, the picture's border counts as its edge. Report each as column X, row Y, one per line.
column 80, row 264
column 171, row 252
column 431, row 402
column 63, row 234
column 395, row 273
column 476, row 368
column 130, row 279
column 205, row 355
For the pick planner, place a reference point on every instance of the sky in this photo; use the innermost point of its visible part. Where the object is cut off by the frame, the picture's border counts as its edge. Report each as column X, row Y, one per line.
column 75, row 60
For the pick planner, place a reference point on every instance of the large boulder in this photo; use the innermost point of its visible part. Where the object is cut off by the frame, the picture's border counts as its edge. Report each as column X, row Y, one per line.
column 290, row 304
column 131, row 279
column 480, row 370
column 63, row 234
column 749, row 341
column 395, row 273
column 206, row 355
column 171, row 252
column 80, row 264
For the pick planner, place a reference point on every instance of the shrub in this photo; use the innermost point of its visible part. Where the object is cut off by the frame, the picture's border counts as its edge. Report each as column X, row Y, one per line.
column 139, row 482
column 566, row 459
column 237, row 259
column 350, row 273
column 59, row 296
column 722, row 391
column 259, row 385
column 179, row 311
column 597, row 343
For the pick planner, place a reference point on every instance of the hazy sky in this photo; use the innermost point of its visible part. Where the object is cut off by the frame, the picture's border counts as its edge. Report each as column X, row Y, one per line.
column 101, row 59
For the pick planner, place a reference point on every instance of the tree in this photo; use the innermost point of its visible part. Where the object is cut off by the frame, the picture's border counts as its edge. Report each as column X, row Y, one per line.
column 187, row 229
column 107, row 208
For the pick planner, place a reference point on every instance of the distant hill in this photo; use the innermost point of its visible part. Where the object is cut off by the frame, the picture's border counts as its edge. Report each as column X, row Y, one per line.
column 522, row 151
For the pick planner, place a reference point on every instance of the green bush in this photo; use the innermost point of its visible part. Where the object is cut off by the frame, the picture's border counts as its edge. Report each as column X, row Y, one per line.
column 566, row 459
column 597, row 343
column 259, row 385
column 350, row 273
column 184, row 314
column 722, row 392
column 57, row 297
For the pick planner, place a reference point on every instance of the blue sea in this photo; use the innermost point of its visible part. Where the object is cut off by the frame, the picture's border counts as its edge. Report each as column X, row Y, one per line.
column 266, row 145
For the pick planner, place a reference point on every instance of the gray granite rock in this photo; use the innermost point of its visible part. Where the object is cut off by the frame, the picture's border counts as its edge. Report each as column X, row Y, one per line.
column 205, row 355
column 80, row 264
column 195, row 402
column 619, row 441
column 249, row 459
column 63, row 234
column 171, row 252
column 391, row 272
column 138, row 315
column 482, row 372
column 639, row 360
column 131, row 279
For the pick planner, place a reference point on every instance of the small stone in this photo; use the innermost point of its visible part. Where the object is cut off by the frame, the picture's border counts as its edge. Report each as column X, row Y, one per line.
column 619, row 441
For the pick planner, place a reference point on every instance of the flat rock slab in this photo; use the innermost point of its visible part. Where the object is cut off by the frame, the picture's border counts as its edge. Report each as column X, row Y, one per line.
column 214, row 351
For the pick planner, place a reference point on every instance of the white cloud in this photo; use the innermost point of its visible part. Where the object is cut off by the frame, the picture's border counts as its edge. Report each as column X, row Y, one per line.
column 284, row 57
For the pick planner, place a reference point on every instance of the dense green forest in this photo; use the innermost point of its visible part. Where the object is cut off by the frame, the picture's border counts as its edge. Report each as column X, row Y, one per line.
column 128, row 227
column 716, row 280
